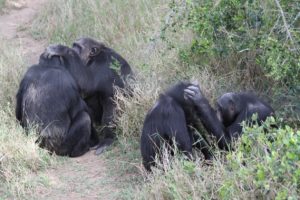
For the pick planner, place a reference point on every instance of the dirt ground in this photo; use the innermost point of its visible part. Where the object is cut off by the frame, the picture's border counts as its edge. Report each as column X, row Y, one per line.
column 85, row 177
column 15, row 20
column 78, row 178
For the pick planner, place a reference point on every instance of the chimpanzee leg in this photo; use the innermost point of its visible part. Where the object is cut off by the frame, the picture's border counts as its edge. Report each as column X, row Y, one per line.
column 150, row 146
column 78, row 137
column 107, row 118
column 94, row 140
column 94, row 104
column 108, row 126
column 184, row 143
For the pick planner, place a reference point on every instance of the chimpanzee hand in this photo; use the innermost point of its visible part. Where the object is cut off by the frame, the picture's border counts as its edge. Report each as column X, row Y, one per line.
column 193, row 94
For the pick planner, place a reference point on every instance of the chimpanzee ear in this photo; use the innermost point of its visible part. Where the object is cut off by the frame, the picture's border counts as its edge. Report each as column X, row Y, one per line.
column 94, row 51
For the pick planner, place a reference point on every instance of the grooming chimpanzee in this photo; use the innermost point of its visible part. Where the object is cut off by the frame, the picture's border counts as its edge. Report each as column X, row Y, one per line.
column 232, row 109
column 109, row 69
column 170, row 120
column 49, row 97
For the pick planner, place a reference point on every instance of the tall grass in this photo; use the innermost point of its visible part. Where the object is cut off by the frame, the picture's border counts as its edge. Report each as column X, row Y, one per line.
column 124, row 25
column 2, row 4
column 20, row 157
column 11, row 70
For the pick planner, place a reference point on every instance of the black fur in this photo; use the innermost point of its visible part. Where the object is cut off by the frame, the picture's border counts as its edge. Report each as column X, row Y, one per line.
column 49, row 97
column 232, row 110
column 169, row 120
column 109, row 69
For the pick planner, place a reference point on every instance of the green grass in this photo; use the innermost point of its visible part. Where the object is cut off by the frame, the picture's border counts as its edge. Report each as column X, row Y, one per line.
column 2, row 4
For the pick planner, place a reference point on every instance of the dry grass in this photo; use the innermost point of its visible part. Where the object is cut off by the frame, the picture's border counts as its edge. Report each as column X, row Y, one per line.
column 19, row 155
column 124, row 25
column 20, row 158
column 133, row 109
column 11, row 70
column 177, row 178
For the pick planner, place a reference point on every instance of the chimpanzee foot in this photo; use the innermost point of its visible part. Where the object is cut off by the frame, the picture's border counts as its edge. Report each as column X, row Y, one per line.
column 103, row 145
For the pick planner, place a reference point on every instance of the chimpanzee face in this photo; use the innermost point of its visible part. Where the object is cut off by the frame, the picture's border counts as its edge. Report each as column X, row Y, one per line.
column 87, row 48
column 226, row 109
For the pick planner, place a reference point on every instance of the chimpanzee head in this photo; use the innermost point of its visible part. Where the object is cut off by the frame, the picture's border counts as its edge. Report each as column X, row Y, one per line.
column 67, row 58
column 227, row 108
column 177, row 94
column 88, row 49
column 60, row 55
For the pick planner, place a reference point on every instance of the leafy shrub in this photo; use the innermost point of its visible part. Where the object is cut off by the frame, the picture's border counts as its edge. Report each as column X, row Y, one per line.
column 265, row 165
column 260, row 32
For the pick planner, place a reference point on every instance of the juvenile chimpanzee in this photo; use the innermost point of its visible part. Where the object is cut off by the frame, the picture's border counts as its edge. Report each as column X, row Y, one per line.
column 49, row 97
column 109, row 69
column 231, row 110
column 170, row 120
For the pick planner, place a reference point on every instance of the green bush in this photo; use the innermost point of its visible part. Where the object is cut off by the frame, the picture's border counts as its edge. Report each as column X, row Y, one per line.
column 260, row 32
column 265, row 164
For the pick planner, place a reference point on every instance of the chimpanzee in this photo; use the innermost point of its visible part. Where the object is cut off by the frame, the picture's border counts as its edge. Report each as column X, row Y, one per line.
column 49, row 98
column 170, row 119
column 109, row 70
column 231, row 110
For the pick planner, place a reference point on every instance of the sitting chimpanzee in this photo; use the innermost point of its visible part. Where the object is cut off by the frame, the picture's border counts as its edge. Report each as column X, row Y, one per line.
column 109, row 69
column 49, row 97
column 170, row 120
column 232, row 109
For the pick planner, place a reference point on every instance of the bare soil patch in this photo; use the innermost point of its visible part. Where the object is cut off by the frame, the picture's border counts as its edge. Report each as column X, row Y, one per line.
column 85, row 177
column 20, row 16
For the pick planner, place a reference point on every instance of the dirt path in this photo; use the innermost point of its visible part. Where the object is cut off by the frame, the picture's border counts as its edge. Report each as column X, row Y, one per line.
column 85, row 177
column 14, row 20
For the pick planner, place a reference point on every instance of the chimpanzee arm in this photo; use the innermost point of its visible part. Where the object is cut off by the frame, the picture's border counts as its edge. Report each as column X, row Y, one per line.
column 108, row 111
column 19, row 107
column 125, row 67
column 207, row 115
column 19, row 99
column 212, row 124
column 235, row 129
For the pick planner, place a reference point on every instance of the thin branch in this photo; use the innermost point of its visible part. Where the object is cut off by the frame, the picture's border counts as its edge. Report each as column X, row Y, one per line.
column 289, row 35
column 2, row 158
column 296, row 18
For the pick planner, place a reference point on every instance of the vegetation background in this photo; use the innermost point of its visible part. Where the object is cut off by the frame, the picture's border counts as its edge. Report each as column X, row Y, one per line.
column 227, row 45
